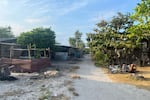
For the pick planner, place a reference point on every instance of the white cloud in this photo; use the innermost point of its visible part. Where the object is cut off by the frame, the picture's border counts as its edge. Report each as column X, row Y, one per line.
column 73, row 7
column 17, row 29
column 103, row 15
column 34, row 20
column 3, row 3
column 57, row 9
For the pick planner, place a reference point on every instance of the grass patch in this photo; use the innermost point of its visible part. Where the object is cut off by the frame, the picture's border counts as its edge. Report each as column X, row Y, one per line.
column 45, row 96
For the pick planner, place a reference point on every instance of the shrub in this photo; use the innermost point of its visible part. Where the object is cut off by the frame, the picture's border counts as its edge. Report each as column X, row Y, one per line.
column 100, row 58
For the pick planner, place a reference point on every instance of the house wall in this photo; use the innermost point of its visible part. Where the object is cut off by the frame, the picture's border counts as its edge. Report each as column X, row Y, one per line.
column 75, row 53
column 61, row 56
column 21, row 65
column 4, row 50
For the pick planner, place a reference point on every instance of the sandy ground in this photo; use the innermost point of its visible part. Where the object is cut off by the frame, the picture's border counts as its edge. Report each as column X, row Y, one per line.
column 95, row 85
column 41, row 88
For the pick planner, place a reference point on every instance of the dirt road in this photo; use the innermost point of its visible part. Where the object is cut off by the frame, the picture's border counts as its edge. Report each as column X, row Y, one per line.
column 95, row 85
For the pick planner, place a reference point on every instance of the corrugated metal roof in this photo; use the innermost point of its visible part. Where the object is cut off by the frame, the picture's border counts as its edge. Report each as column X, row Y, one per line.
column 6, row 39
column 7, row 43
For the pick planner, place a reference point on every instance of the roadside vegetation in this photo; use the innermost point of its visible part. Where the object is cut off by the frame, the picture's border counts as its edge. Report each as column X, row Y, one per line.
column 6, row 32
column 76, row 41
column 37, row 38
column 120, row 39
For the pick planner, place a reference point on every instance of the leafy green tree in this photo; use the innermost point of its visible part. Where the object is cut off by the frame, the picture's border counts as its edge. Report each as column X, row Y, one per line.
column 141, row 30
column 110, row 39
column 72, row 42
column 142, row 12
column 121, row 22
column 142, row 16
column 122, row 36
column 76, row 41
column 5, row 32
column 39, row 37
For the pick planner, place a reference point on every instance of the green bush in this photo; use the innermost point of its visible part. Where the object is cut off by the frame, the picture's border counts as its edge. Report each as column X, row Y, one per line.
column 100, row 58
column 86, row 51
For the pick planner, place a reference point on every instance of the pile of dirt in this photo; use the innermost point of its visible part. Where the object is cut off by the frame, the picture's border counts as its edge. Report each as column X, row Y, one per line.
column 49, row 73
column 75, row 76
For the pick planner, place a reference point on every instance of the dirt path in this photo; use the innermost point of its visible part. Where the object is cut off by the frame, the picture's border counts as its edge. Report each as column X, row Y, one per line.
column 95, row 85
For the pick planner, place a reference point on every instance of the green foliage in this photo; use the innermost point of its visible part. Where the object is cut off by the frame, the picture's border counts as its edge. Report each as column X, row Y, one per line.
column 119, row 37
column 121, row 22
column 5, row 32
column 142, row 12
column 72, row 42
column 76, row 40
column 39, row 37
column 45, row 96
column 110, row 39
column 142, row 29
column 86, row 51
column 100, row 58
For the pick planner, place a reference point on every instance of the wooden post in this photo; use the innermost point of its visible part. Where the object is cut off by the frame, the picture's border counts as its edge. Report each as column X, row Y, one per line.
column 11, row 52
column 29, row 53
column 49, row 54
column 45, row 53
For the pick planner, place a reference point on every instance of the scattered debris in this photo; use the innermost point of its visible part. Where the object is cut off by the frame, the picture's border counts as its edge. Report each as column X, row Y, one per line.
column 137, row 76
column 74, row 68
column 51, row 74
column 36, row 77
column 75, row 94
column 60, row 97
column 75, row 76
column 39, row 82
column 67, row 82
column 71, row 89
column 45, row 96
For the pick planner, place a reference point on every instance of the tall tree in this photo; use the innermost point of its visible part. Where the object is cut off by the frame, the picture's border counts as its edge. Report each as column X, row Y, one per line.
column 76, row 41
column 121, row 22
column 39, row 37
column 5, row 32
column 141, row 16
column 141, row 30
column 72, row 42
column 110, row 39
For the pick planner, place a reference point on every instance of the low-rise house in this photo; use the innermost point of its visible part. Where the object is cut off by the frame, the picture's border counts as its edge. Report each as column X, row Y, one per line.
column 8, row 40
column 10, row 54
column 66, row 52
column 5, row 45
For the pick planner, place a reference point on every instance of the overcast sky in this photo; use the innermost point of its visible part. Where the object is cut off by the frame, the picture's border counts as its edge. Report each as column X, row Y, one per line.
column 63, row 16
